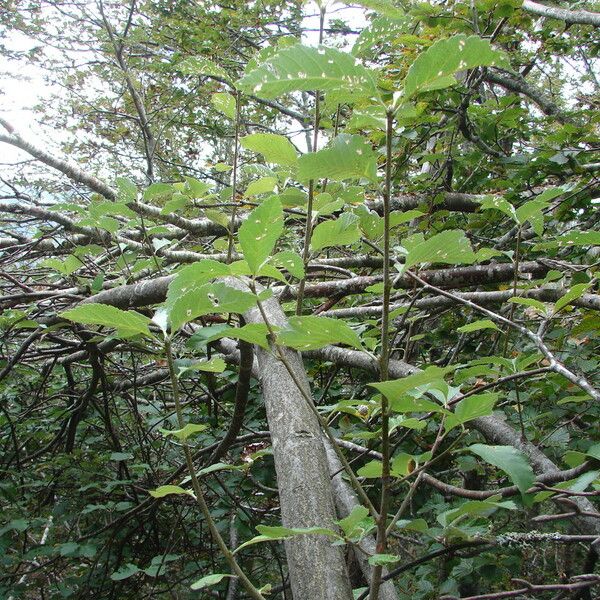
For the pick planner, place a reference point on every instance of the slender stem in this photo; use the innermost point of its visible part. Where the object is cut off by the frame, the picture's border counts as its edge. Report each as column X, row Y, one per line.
column 200, row 499
column 384, row 360
column 515, row 280
column 311, row 183
column 236, row 149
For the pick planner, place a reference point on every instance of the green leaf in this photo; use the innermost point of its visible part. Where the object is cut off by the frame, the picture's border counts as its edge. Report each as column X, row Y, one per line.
column 185, row 432
column 269, row 534
column 479, row 405
column 291, row 262
column 449, row 247
column 393, row 389
column 473, row 508
column 198, row 65
column 346, row 157
column 209, row 580
column 275, row 148
column 260, row 231
column 510, row 460
column 532, row 211
column 302, row 68
column 124, row 572
column 65, row 266
column 253, row 333
column 575, row 292
column 224, row 103
column 127, row 323
column 119, row 456
column 357, row 524
column 434, row 69
column 207, row 299
column 478, row 325
column 501, row 204
column 126, row 190
column 218, row 467
column 158, row 190
column 213, row 365
column 310, row 333
column 261, row 186
column 530, row 302
column 383, row 559
column 167, row 490
column 383, row 7
column 339, row 232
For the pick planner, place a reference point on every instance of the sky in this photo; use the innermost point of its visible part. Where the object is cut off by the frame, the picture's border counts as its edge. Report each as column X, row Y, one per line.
column 22, row 87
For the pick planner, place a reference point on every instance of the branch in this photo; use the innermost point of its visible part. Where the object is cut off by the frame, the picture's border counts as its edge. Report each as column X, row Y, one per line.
column 582, row 17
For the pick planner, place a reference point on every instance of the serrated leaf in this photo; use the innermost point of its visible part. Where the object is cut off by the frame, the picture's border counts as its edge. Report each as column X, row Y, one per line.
column 260, row 231
column 501, row 204
column 158, row 190
column 168, row 490
column 224, row 103
column 472, row 407
column 127, row 323
column 311, row 333
column 290, row 261
column 209, row 580
column 213, row 365
column 575, row 292
column 383, row 559
column 206, row 299
column 396, row 388
column 346, row 157
column 434, row 69
column 474, row 508
column 383, row 7
column 357, row 524
column 275, row 148
column 185, row 432
column 198, row 65
column 478, row 325
column 448, row 247
column 381, row 31
column 303, row 68
column 124, row 572
column 510, row 460
column 261, row 186
column 269, row 534
column 531, row 302
column 339, row 232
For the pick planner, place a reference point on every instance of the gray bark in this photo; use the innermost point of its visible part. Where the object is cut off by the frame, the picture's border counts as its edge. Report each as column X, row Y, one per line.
column 317, row 568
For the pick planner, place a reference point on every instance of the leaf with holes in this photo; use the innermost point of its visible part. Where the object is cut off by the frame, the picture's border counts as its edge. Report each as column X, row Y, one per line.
column 127, row 323
column 207, row 299
column 434, row 69
column 346, row 157
column 275, row 148
column 224, row 103
column 449, row 247
column 394, row 389
column 260, row 231
column 302, row 68
column 339, row 232
column 310, row 333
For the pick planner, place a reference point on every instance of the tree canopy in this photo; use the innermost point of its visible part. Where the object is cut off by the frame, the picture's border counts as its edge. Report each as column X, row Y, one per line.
column 300, row 300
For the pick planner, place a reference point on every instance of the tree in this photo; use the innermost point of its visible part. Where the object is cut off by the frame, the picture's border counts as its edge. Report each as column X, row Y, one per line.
column 340, row 296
